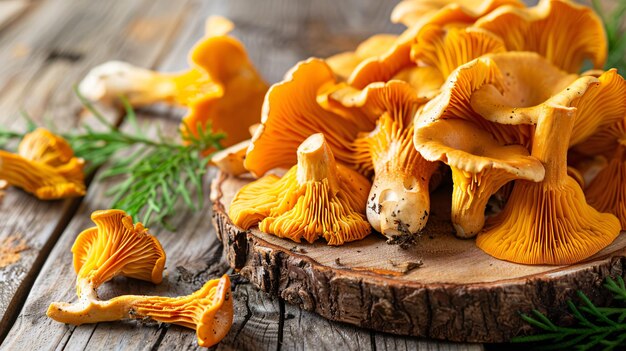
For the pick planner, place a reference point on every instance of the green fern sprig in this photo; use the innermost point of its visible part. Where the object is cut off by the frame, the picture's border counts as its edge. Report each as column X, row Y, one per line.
column 597, row 327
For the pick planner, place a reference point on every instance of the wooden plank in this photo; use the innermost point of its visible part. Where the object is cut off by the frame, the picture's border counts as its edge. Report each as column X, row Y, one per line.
column 57, row 32
column 193, row 258
column 304, row 330
column 385, row 342
column 10, row 10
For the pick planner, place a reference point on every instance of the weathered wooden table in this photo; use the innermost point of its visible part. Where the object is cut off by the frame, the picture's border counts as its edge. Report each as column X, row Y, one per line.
column 46, row 46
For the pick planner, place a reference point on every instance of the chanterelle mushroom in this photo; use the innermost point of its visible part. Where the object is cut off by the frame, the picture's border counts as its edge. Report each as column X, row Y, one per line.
column 115, row 247
column 221, row 80
column 44, row 166
column 398, row 205
column 564, row 32
column 549, row 222
column 291, row 113
column 209, row 311
column 316, row 198
column 480, row 166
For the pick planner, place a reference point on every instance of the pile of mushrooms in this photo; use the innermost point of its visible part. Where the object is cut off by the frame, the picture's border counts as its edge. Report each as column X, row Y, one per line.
column 489, row 91
column 116, row 247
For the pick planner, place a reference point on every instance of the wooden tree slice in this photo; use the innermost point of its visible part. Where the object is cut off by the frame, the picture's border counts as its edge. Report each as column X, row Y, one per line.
column 442, row 288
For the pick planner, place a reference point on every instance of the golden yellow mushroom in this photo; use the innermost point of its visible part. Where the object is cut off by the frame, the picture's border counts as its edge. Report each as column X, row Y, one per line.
column 44, row 166
column 562, row 31
column 209, row 311
column 316, row 198
column 398, row 205
column 480, row 167
column 291, row 113
column 549, row 222
column 115, row 247
column 220, row 81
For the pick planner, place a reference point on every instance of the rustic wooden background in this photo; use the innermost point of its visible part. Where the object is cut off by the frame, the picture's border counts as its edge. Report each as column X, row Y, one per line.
column 47, row 46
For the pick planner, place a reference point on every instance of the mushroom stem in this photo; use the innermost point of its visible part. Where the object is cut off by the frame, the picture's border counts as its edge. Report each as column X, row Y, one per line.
column 553, row 127
column 317, row 163
column 468, row 211
column 141, row 86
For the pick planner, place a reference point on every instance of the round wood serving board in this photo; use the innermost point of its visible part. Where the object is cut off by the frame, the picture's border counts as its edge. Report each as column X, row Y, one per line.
column 442, row 288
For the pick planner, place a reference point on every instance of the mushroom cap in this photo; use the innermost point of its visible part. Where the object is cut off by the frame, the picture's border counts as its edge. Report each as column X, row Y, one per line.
column 600, row 122
column 44, row 166
column 531, row 84
column 563, row 228
column 480, row 166
column 233, row 82
column 454, row 101
column 291, row 113
column 117, row 247
column 562, row 31
column 344, row 63
column 412, row 12
column 449, row 47
column 316, row 198
column 467, row 148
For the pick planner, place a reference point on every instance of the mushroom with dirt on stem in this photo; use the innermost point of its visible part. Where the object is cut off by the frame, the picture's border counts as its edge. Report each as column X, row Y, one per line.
column 209, row 310
column 44, row 166
column 398, row 204
column 318, row 197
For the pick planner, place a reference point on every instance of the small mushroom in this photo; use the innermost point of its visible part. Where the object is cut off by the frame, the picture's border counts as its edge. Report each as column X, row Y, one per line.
column 209, row 310
column 564, row 32
column 549, row 222
column 221, row 80
column 480, row 166
column 44, row 166
column 115, row 247
column 291, row 113
column 316, row 198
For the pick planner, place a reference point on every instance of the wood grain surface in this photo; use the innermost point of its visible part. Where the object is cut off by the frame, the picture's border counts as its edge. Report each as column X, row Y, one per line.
column 46, row 46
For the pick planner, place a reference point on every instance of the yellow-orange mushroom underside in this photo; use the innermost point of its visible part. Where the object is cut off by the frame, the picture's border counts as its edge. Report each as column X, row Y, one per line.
column 316, row 198
column 44, row 166
column 209, row 310
column 549, row 222
column 480, row 167
column 116, row 247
